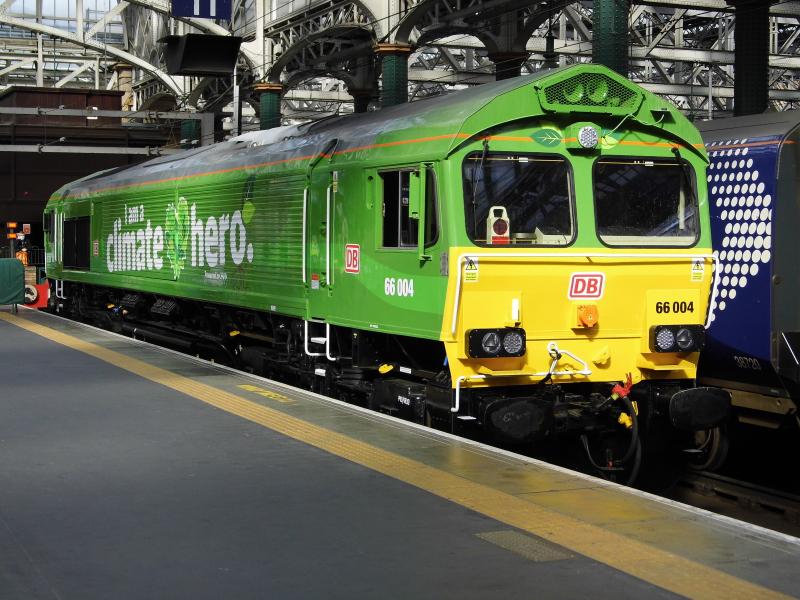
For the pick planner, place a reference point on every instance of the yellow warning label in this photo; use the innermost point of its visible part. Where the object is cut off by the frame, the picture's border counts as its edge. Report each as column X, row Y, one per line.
column 471, row 269
column 698, row 269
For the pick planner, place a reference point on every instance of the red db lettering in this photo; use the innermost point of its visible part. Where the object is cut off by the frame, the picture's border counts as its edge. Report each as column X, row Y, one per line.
column 352, row 258
column 586, row 285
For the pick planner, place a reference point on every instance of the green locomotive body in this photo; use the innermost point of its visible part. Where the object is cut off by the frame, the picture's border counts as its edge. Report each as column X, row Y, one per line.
column 365, row 256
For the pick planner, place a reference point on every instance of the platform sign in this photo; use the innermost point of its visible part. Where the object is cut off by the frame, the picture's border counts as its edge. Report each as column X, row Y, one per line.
column 202, row 9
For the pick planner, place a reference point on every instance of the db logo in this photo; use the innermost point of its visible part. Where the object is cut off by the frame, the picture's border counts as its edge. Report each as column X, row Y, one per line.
column 352, row 258
column 586, row 285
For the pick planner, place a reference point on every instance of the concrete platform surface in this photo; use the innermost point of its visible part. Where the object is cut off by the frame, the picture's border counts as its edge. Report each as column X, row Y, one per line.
column 129, row 471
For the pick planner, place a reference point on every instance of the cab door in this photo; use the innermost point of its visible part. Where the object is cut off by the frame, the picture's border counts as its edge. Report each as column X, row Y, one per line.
column 386, row 253
column 318, row 198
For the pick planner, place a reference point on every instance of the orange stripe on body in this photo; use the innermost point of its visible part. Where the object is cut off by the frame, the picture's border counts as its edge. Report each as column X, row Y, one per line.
column 341, row 153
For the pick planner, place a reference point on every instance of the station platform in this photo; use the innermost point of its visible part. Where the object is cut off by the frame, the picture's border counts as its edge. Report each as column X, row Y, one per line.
column 130, row 471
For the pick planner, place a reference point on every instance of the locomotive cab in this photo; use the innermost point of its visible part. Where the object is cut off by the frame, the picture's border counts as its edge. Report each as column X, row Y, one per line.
column 584, row 260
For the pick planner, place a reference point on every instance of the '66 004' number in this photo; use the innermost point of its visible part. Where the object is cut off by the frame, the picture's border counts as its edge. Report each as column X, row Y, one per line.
column 674, row 307
column 398, row 287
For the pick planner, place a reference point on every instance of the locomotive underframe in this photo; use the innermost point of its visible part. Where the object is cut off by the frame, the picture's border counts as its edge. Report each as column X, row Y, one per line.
column 398, row 375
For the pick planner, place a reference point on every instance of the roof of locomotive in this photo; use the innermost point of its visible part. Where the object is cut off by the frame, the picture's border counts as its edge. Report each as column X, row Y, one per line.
column 769, row 124
column 439, row 121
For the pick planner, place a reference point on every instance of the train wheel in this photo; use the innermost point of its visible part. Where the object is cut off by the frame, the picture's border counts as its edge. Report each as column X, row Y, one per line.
column 711, row 449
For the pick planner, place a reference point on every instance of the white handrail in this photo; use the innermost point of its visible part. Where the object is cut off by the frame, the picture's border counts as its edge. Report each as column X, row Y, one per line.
column 540, row 256
column 328, row 274
column 327, row 353
column 305, row 226
column 553, row 349
column 328, row 343
column 305, row 341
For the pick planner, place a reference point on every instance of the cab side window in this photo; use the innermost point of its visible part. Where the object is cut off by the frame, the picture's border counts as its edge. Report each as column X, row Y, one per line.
column 431, row 208
column 400, row 228
column 49, row 225
column 76, row 243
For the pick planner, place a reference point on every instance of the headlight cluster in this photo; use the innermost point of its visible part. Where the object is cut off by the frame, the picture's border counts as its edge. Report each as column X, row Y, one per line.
column 677, row 338
column 495, row 343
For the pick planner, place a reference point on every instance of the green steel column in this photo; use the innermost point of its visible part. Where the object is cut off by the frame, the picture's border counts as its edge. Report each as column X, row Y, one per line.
column 269, row 104
column 394, row 63
column 190, row 134
column 610, row 34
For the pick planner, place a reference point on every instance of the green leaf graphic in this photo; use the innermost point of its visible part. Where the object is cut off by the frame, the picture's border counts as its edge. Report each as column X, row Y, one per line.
column 608, row 138
column 176, row 235
column 247, row 212
column 548, row 137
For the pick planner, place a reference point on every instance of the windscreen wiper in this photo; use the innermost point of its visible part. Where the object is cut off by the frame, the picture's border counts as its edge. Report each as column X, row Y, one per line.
column 682, row 165
column 475, row 191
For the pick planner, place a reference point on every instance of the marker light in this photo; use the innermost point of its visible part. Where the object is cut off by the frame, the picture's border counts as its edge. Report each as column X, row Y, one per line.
column 513, row 342
column 500, row 227
column 490, row 342
column 677, row 338
column 684, row 338
column 496, row 343
column 588, row 137
column 665, row 340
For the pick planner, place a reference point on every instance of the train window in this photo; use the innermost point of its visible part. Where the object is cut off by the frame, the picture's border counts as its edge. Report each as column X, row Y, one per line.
column 643, row 202
column 48, row 224
column 519, row 199
column 400, row 230
column 431, row 208
column 76, row 243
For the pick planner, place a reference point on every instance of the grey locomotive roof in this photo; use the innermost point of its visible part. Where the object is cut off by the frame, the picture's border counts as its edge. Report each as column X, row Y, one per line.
column 311, row 138
column 768, row 124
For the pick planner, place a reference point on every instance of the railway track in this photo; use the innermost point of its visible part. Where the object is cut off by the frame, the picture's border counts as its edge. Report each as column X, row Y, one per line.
column 741, row 500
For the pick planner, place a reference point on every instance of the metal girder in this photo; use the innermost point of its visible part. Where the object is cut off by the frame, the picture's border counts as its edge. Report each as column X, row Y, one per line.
column 168, row 80
column 334, row 40
column 88, row 112
column 503, row 26
column 667, row 28
column 66, row 79
column 718, row 91
column 675, row 40
column 17, row 65
column 320, row 18
column 780, row 9
column 45, row 149
column 637, row 51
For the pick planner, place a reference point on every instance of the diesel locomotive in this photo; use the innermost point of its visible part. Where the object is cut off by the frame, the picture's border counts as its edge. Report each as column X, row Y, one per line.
column 532, row 256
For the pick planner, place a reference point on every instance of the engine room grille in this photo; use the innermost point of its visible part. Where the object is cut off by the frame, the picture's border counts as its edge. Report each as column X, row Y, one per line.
column 592, row 92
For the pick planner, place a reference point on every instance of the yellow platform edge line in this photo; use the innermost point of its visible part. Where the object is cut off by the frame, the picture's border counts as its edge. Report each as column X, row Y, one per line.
column 657, row 567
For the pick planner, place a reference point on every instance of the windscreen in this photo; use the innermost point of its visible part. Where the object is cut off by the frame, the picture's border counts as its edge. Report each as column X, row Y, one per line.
column 518, row 199
column 642, row 202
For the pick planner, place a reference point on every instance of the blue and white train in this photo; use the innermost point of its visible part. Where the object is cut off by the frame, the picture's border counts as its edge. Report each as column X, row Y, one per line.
column 753, row 342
